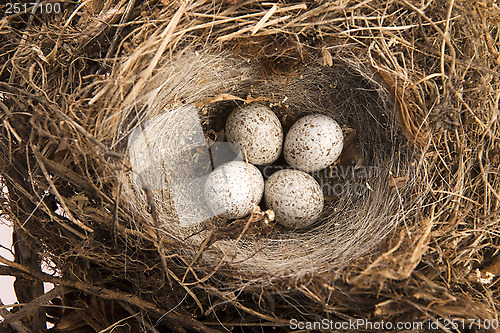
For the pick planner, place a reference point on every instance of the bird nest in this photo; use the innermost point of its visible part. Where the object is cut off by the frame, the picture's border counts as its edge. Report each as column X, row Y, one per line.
column 97, row 99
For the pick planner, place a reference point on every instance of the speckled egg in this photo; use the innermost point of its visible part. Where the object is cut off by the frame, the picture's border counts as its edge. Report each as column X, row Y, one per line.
column 313, row 143
column 295, row 197
column 233, row 188
column 257, row 131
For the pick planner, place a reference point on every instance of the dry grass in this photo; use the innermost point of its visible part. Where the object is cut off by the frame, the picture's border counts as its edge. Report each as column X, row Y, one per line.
column 74, row 85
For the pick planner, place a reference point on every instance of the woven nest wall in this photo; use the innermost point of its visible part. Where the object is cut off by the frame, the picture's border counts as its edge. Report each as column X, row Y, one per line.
column 413, row 234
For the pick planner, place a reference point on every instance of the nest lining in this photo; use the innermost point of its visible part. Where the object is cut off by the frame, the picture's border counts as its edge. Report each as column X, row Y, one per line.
column 361, row 205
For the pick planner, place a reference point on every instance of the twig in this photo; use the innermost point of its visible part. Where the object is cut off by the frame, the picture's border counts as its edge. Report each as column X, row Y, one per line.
column 112, row 326
column 47, row 211
column 35, row 304
column 223, row 259
column 264, row 19
column 443, row 34
column 104, row 293
column 56, row 110
column 9, row 271
column 7, row 315
column 129, row 309
column 67, row 174
column 53, row 53
column 237, row 304
column 487, row 36
column 60, row 198
column 447, row 35
column 115, row 213
column 124, row 18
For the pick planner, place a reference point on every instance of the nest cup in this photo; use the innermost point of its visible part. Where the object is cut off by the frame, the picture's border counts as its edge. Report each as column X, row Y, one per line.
column 361, row 205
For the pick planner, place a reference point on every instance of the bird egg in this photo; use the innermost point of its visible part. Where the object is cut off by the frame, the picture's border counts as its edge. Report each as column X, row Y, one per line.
column 313, row 143
column 295, row 197
column 257, row 132
column 233, row 189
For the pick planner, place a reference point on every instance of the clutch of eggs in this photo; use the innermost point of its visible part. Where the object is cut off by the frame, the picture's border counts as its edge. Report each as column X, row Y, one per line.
column 257, row 132
column 313, row 143
column 233, row 189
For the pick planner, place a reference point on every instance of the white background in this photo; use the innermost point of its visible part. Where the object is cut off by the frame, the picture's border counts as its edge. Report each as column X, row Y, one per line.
column 7, row 294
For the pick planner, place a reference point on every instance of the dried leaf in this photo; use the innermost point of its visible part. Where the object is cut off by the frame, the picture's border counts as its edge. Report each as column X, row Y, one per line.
column 397, row 182
column 251, row 99
column 218, row 98
column 327, row 57
column 40, row 54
